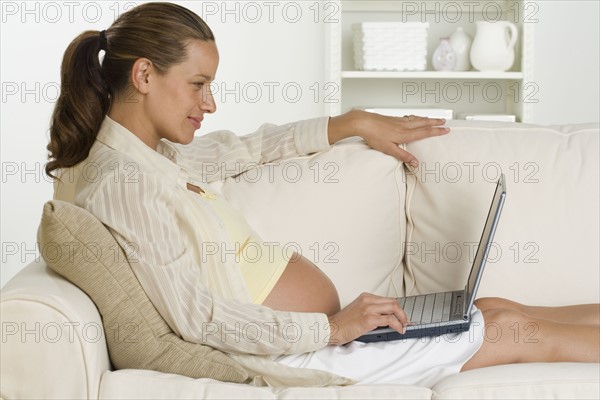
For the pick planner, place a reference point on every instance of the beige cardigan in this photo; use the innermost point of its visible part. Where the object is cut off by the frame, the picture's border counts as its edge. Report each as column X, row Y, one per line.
column 141, row 196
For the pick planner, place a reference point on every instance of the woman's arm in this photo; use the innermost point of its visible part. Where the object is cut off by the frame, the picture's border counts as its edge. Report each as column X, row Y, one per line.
column 385, row 133
column 304, row 288
column 218, row 155
column 221, row 154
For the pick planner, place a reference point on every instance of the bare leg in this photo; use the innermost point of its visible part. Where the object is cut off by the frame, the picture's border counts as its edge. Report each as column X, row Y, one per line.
column 513, row 337
column 584, row 314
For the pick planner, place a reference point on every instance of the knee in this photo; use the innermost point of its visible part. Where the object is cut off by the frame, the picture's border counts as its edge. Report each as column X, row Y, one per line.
column 489, row 303
column 505, row 320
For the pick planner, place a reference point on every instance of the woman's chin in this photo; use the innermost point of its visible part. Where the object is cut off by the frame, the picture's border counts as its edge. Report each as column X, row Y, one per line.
column 186, row 139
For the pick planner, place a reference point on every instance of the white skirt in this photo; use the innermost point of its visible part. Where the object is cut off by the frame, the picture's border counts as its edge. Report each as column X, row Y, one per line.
column 420, row 361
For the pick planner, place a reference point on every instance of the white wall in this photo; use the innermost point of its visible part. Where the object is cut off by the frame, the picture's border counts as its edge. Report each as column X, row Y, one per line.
column 566, row 61
column 272, row 52
column 271, row 57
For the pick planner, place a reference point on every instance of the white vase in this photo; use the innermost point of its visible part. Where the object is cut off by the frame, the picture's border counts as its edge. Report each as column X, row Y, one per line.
column 493, row 48
column 443, row 58
column 460, row 41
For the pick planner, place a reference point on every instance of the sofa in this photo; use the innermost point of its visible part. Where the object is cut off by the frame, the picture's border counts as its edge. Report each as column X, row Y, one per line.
column 373, row 225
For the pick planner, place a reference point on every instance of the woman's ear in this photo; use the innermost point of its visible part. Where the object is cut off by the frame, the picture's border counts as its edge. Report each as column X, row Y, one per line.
column 140, row 73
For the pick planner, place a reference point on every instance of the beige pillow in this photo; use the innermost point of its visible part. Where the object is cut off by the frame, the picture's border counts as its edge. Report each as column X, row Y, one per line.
column 78, row 246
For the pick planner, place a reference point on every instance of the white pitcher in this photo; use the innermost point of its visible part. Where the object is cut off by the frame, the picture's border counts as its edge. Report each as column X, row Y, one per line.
column 493, row 48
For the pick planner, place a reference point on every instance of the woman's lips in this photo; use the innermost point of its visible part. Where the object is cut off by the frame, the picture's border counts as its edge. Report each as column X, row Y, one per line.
column 196, row 121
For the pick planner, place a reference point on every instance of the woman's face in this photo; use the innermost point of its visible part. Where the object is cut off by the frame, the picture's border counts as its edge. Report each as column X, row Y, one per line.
column 178, row 100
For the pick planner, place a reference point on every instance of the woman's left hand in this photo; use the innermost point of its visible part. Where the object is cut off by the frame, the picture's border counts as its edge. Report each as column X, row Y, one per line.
column 385, row 133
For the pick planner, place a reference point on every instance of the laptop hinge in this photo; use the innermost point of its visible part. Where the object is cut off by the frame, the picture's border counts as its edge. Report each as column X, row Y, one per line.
column 466, row 303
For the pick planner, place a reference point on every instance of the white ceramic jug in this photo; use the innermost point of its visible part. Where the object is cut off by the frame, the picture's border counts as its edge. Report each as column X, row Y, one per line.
column 493, row 48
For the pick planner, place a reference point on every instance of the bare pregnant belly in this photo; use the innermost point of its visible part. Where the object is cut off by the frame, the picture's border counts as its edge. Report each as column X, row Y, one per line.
column 303, row 288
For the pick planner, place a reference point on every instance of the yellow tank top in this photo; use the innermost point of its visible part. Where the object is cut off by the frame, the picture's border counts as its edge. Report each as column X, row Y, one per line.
column 261, row 264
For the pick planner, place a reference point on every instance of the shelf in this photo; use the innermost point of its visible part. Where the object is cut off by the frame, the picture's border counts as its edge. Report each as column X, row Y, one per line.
column 411, row 7
column 512, row 92
column 433, row 75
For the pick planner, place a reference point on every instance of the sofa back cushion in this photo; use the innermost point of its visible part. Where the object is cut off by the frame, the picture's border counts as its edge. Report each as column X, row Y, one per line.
column 343, row 209
column 549, row 224
column 77, row 246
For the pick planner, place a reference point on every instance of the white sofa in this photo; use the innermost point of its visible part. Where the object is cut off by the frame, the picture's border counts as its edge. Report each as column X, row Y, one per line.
column 372, row 226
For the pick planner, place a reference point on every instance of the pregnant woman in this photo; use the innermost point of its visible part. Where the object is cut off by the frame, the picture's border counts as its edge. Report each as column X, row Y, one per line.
column 133, row 116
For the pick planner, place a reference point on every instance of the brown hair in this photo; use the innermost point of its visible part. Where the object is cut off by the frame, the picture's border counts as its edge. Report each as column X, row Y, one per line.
column 157, row 31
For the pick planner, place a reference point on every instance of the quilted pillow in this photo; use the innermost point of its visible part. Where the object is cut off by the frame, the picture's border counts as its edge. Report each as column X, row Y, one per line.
column 78, row 246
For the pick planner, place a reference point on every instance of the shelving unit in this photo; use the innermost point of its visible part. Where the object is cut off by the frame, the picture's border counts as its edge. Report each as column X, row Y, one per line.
column 510, row 92
column 433, row 75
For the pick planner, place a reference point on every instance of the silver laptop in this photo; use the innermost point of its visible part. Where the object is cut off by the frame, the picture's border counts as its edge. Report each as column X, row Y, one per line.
column 447, row 312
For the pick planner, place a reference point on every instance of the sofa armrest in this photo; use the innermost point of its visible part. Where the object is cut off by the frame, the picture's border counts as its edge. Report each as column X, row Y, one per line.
column 53, row 343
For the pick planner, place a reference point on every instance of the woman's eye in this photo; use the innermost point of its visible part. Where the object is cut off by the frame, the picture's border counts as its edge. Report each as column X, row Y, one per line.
column 199, row 84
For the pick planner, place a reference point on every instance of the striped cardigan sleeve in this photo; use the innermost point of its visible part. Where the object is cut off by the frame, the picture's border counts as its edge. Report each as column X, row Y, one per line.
column 218, row 155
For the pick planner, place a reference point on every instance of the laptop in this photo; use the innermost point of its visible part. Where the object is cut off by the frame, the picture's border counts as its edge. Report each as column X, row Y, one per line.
column 447, row 312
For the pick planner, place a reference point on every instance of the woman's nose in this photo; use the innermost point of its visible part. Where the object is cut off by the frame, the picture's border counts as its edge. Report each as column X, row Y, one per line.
column 208, row 102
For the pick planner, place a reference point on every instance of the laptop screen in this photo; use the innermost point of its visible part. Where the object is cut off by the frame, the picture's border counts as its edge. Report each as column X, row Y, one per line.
column 484, row 244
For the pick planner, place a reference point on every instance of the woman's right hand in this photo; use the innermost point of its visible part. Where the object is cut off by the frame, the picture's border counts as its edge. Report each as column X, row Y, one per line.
column 364, row 314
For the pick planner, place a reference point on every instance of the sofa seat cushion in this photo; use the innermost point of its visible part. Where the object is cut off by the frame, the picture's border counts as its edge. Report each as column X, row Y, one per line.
column 523, row 381
column 138, row 384
column 77, row 246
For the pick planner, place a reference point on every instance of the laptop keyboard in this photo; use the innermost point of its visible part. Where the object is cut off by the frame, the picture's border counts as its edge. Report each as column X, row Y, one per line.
column 429, row 308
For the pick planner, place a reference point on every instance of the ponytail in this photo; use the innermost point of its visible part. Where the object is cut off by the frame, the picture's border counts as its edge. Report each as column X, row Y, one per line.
column 82, row 105
column 157, row 31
